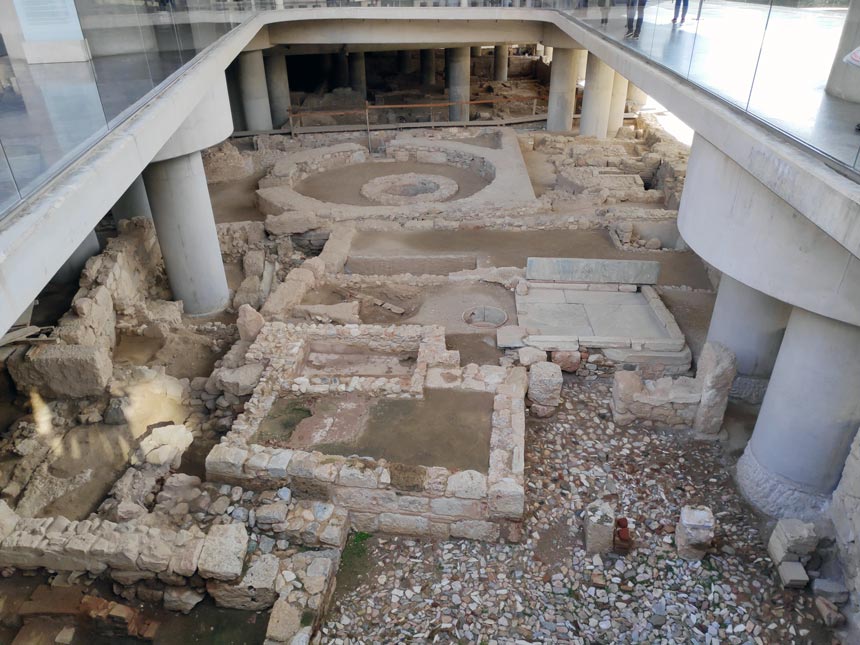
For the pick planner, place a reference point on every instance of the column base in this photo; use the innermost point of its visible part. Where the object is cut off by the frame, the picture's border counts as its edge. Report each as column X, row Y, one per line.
column 775, row 495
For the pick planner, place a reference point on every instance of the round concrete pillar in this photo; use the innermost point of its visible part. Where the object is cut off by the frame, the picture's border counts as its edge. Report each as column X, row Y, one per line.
column 428, row 67
column 580, row 61
column 636, row 98
column 500, row 62
column 133, row 202
column 278, row 84
column 357, row 73
column 475, row 51
column 617, row 103
column 458, row 83
column 562, row 91
column 255, row 95
column 404, row 61
column 341, row 70
column 751, row 324
column 186, row 233
column 844, row 80
column 547, row 54
column 599, row 79
column 70, row 272
column 809, row 416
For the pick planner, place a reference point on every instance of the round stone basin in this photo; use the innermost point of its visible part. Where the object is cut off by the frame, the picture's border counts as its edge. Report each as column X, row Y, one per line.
column 485, row 317
column 409, row 188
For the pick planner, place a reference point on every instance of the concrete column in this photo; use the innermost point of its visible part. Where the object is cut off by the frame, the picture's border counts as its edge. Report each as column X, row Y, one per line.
column 844, row 80
column 341, row 70
column 255, row 95
column 458, row 83
column 617, row 103
column 464, row 3
column 186, row 232
column 808, row 419
column 580, row 61
column 278, row 84
column 547, row 54
column 475, row 51
column 500, row 62
column 751, row 324
column 428, row 67
column 636, row 98
column 562, row 92
column 357, row 73
column 70, row 272
column 447, row 74
column 404, row 61
column 599, row 78
column 133, row 202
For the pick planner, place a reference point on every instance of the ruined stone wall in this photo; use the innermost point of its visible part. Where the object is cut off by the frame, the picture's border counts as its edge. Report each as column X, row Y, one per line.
column 301, row 164
column 115, row 288
column 845, row 513
column 698, row 403
column 428, row 152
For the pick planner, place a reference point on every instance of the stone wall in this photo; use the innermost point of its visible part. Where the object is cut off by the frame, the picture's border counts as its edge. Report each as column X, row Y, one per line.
column 115, row 287
column 300, row 165
column 383, row 496
column 845, row 514
column 698, row 403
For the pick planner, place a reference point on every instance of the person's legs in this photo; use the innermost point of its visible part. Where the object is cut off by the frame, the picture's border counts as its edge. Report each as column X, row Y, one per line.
column 631, row 14
column 677, row 10
column 640, row 16
column 685, row 4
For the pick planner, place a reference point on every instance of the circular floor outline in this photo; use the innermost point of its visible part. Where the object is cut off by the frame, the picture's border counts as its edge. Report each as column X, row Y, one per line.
column 409, row 188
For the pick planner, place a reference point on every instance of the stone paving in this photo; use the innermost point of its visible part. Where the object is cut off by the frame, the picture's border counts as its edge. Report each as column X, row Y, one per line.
column 548, row 590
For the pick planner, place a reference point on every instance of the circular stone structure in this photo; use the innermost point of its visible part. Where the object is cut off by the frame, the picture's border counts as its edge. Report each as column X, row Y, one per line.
column 409, row 188
column 485, row 316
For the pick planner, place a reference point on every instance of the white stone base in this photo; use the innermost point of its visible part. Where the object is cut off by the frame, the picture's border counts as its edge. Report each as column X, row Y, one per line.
column 775, row 495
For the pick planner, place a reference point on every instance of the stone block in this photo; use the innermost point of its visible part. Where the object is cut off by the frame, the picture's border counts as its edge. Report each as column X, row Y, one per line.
column 694, row 532
column 285, row 622
column 791, row 539
column 291, row 223
column 256, row 589
column 8, row 520
column 403, row 524
column 226, row 461
column 507, row 499
column 62, row 371
column 249, row 322
column 593, row 270
column 475, row 530
column 568, row 361
column 510, row 337
column 792, row 575
column 715, row 373
column 358, row 476
column 545, row 381
column 277, row 466
column 834, row 590
column 530, row 355
column 599, row 527
column 467, row 484
column 240, row 381
column 452, row 507
column 223, row 553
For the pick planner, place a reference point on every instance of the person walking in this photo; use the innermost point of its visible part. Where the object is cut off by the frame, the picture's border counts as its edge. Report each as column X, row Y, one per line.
column 635, row 16
column 681, row 6
column 605, row 6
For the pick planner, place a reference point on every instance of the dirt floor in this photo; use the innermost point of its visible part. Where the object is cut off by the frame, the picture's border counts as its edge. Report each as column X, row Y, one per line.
column 541, row 170
column 692, row 311
column 512, row 248
column 233, row 201
column 343, row 185
column 404, row 431
column 446, row 304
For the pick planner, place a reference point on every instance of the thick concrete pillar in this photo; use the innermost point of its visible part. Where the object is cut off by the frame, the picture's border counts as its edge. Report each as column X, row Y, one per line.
column 341, row 70
column 357, row 73
column 636, row 98
column 255, row 94
column 475, row 51
column 500, row 62
column 547, row 54
column 428, row 67
column 562, row 92
column 617, row 104
column 580, row 61
column 134, row 202
column 599, row 78
column 278, row 84
column 70, row 272
column 404, row 61
column 751, row 324
column 186, row 233
column 844, row 80
column 808, row 419
column 458, row 83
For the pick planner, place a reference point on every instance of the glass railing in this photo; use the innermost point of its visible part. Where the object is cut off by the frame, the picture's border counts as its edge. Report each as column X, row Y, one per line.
column 768, row 60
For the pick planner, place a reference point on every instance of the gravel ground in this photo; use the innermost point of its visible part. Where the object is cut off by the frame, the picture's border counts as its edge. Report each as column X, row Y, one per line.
column 547, row 590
